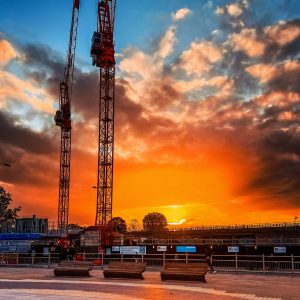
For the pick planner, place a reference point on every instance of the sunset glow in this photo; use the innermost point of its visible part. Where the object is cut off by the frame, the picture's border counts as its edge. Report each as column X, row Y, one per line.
column 207, row 110
column 182, row 221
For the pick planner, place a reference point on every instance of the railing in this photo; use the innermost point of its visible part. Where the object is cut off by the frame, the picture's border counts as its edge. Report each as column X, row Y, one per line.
column 225, row 263
column 52, row 227
column 291, row 241
column 239, row 226
column 258, row 263
column 29, row 259
column 264, row 264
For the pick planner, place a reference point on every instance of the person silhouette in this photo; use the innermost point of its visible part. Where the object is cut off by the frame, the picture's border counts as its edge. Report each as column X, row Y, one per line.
column 208, row 254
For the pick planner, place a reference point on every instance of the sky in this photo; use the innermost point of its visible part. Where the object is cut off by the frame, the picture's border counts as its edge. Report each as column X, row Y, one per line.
column 207, row 109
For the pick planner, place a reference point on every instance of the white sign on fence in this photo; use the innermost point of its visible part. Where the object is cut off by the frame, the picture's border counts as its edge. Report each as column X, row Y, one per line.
column 233, row 249
column 279, row 249
column 45, row 251
column 162, row 248
column 132, row 249
column 115, row 248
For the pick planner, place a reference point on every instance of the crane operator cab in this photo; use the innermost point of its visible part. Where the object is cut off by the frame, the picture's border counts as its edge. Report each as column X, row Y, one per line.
column 58, row 118
column 96, row 47
column 62, row 117
column 102, row 52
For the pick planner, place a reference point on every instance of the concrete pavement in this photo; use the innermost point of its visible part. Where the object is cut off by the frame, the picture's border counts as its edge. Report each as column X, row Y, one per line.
column 28, row 283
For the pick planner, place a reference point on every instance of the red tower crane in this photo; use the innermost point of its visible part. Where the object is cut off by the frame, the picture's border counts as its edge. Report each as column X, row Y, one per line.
column 102, row 53
column 63, row 120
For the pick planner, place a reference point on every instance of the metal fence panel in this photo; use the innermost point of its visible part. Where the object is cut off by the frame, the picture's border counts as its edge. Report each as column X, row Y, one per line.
column 227, row 263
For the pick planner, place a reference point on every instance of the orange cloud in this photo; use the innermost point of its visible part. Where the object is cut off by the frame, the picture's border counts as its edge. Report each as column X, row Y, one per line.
column 199, row 58
column 267, row 72
column 181, row 14
column 279, row 99
column 166, row 44
column 282, row 33
column 7, row 52
column 20, row 90
column 262, row 71
column 234, row 10
column 248, row 42
column 219, row 10
column 139, row 65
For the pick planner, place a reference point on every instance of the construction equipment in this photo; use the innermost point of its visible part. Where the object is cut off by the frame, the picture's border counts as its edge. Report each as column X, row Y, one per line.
column 63, row 120
column 102, row 53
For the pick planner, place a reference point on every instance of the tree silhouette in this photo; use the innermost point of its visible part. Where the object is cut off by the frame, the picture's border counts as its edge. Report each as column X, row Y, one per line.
column 134, row 225
column 6, row 213
column 155, row 222
column 74, row 227
column 119, row 225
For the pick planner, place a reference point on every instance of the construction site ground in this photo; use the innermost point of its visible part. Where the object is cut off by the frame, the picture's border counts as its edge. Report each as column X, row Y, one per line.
column 38, row 283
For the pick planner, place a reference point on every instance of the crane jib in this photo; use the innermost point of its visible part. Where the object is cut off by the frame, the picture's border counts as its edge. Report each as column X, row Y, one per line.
column 63, row 120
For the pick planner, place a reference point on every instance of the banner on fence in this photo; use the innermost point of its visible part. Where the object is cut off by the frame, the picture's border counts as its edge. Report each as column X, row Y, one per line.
column 161, row 248
column 115, row 248
column 45, row 251
column 133, row 249
column 15, row 246
column 233, row 249
column 186, row 249
column 279, row 249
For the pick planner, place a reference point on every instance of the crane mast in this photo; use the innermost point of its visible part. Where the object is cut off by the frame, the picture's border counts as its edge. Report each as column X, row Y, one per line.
column 63, row 120
column 102, row 53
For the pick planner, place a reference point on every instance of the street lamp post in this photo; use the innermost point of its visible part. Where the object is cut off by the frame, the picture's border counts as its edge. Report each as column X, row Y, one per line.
column 98, row 244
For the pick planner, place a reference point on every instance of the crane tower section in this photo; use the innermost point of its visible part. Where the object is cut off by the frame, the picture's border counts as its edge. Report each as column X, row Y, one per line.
column 102, row 53
column 63, row 120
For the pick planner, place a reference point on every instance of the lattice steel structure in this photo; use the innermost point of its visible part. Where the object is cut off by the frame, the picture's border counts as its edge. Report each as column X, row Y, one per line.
column 63, row 119
column 102, row 53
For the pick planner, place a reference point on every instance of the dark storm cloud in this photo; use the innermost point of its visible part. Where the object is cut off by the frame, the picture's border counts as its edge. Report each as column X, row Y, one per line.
column 274, row 142
column 85, row 99
column 23, row 138
column 233, row 64
column 285, row 80
column 273, row 113
column 127, row 109
column 280, row 162
column 290, row 50
column 277, row 53
column 29, row 153
column 130, row 118
column 278, row 154
column 9, row 154
column 46, row 66
column 86, row 93
column 51, row 71
column 27, row 169
column 43, row 56
column 162, row 94
column 37, row 76
column 281, row 142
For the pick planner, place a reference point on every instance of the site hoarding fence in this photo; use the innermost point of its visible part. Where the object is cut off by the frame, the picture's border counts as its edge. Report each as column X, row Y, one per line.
column 263, row 264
